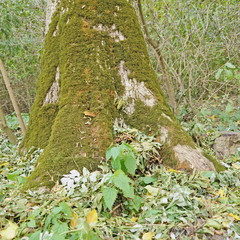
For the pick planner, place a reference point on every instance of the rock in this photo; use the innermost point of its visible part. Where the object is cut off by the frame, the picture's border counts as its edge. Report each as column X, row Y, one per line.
column 227, row 144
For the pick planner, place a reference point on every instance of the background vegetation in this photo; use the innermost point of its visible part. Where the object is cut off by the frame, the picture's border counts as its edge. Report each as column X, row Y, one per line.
column 21, row 41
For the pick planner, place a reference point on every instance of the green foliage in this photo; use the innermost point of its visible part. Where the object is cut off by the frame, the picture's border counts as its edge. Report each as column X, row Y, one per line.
column 210, row 121
column 123, row 162
column 122, row 158
column 21, row 40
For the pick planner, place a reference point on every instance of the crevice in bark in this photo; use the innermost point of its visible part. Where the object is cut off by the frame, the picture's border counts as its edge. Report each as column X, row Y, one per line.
column 134, row 90
column 53, row 93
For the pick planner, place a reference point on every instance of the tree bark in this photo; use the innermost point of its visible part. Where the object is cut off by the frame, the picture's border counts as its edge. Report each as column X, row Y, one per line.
column 5, row 128
column 94, row 54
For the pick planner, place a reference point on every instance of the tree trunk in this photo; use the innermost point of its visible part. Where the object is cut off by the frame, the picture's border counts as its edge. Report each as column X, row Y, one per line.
column 94, row 54
column 5, row 128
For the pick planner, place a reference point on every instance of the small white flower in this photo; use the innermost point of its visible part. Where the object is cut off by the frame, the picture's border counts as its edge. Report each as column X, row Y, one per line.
column 70, row 184
column 93, row 176
column 158, row 236
column 74, row 174
column 64, row 180
column 84, row 189
column 85, row 172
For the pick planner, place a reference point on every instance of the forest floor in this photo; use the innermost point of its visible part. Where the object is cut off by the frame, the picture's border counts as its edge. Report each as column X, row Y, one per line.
column 172, row 204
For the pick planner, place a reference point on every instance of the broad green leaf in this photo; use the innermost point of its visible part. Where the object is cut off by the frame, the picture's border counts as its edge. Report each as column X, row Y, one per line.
column 137, row 202
column 32, row 223
column 66, row 209
column 149, row 179
column 121, row 181
column 130, row 164
column 109, row 197
column 59, row 229
column 35, row 236
column 115, row 152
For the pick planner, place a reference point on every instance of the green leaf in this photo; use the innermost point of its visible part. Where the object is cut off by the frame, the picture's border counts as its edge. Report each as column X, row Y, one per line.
column 229, row 74
column 66, row 209
column 218, row 74
column 229, row 108
column 149, row 179
column 59, row 229
column 109, row 196
column 229, row 65
column 35, row 236
column 121, row 181
column 137, row 203
column 32, row 223
column 214, row 223
column 115, row 152
column 130, row 163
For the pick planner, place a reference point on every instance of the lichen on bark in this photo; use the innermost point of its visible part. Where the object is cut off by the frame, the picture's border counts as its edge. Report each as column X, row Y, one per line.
column 99, row 50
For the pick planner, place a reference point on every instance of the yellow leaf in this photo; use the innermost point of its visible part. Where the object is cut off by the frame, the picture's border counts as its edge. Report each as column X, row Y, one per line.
column 235, row 166
column 4, row 164
column 173, row 170
column 225, row 224
column 92, row 216
column 74, row 220
column 10, row 232
column 221, row 193
column 148, row 236
column 152, row 191
column 236, row 217
column 134, row 219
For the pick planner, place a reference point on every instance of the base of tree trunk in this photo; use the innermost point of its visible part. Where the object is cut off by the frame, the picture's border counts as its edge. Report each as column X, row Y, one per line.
column 95, row 72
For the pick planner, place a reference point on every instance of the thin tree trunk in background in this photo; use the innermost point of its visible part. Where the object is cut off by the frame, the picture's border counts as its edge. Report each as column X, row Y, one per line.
column 12, row 97
column 158, row 53
column 5, row 128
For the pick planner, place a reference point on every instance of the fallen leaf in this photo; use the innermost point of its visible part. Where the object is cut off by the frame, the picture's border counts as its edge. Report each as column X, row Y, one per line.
column 236, row 217
column 134, row 219
column 10, row 232
column 74, row 220
column 92, row 217
column 173, row 170
column 221, row 193
column 87, row 113
column 152, row 191
column 235, row 166
column 148, row 236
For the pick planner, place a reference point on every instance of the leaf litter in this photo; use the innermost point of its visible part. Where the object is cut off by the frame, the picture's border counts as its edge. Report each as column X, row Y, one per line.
column 174, row 204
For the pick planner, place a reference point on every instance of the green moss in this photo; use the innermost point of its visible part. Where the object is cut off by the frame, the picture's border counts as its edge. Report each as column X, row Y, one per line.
column 89, row 61
column 219, row 167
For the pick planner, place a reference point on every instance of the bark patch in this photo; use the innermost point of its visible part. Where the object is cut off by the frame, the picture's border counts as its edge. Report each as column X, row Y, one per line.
column 52, row 95
column 194, row 158
column 134, row 90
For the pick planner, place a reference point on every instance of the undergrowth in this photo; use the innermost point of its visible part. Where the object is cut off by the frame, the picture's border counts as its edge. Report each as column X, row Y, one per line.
column 121, row 200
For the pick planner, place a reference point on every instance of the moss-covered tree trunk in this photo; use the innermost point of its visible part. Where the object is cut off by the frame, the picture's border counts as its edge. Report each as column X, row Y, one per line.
column 94, row 54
